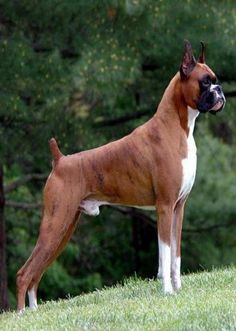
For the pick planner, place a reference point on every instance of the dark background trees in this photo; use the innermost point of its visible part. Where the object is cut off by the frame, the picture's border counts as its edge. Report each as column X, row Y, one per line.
column 88, row 72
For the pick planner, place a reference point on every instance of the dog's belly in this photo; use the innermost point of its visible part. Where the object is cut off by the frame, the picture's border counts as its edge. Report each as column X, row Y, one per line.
column 91, row 206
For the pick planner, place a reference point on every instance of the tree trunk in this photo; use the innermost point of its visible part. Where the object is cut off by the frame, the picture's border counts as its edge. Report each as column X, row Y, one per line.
column 4, row 304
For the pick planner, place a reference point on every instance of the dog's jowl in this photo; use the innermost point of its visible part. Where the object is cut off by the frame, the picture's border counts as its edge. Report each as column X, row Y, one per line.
column 152, row 168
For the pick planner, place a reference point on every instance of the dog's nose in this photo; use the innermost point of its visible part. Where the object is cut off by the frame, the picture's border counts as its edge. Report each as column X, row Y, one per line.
column 218, row 89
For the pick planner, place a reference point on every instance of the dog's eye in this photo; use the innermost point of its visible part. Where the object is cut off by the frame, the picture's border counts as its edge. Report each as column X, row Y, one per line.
column 206, row 82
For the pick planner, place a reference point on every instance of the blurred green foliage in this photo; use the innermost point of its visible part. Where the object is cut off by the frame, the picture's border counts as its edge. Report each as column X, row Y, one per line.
column 88, row 72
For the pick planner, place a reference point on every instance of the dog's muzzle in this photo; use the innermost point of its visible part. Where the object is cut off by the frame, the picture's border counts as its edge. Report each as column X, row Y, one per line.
column 212, row 100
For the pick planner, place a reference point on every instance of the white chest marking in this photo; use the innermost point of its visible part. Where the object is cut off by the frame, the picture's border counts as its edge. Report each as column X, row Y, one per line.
column 189, row 164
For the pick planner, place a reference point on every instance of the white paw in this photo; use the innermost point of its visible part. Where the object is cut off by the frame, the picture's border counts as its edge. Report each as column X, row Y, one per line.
column 20, row 312
column 35, row 307
column 169, row 291
column 167, row 287
column 176, row 282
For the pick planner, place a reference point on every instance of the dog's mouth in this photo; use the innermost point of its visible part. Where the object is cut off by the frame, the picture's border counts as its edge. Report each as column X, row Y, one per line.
column 211, row 100
column 219, row 105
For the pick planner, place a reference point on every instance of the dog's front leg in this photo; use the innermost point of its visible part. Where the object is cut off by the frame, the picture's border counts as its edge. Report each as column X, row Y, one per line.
column 176, row 244
column 165, row 217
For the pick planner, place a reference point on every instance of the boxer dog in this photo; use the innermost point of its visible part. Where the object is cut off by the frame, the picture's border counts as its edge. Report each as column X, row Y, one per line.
column 152, row 168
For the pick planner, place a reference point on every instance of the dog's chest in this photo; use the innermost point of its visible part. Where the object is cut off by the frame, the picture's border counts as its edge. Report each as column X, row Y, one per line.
column 189, row 164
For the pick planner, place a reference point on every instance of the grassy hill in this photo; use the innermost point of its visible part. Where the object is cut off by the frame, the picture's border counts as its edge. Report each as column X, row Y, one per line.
column 206, row 302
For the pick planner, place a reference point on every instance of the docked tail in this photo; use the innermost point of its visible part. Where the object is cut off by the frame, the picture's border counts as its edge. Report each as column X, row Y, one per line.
column 56, row 153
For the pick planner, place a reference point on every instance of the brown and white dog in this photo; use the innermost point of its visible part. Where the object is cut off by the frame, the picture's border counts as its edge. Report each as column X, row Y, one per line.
column 152, row 168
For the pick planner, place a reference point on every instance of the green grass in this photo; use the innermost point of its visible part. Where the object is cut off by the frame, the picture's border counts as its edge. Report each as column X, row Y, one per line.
column 206, row 302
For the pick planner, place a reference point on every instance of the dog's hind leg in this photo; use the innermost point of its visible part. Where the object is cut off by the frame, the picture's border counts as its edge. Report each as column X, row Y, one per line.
column 58, row 223
column 33, row 287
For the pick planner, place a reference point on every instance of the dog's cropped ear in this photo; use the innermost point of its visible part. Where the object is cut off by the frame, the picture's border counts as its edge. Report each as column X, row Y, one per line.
column 188, row 62
column 201, row 58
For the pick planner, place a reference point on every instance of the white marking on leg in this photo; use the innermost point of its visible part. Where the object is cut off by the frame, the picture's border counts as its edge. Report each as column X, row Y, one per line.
column 165, row 260
column 175, row 261
column 159, row 274
column 32, row 299
column 175, row 275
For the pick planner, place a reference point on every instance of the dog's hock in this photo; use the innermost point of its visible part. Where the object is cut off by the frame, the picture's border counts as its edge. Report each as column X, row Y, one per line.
column 56, row 153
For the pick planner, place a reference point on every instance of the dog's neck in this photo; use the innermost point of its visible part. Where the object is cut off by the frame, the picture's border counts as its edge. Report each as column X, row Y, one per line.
column 173, row 106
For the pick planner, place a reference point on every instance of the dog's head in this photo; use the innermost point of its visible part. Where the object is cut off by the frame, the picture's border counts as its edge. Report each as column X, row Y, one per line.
column 200, row 87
